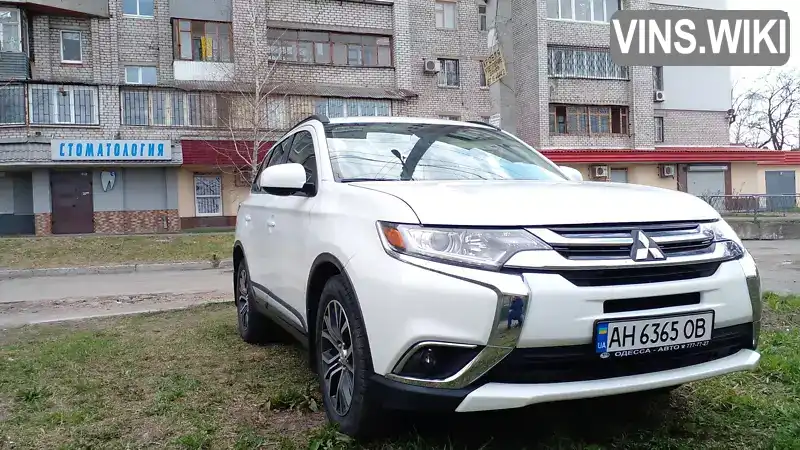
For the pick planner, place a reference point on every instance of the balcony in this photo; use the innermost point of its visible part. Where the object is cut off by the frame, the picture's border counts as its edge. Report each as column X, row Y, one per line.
column 202, row 71
column 14, row 66
column 92, row 8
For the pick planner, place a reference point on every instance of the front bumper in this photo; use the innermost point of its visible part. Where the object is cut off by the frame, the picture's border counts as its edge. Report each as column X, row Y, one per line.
column 427, row 302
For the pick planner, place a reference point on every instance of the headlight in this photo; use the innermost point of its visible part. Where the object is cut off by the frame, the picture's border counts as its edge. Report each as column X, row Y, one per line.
column 474, row 247
column 723, row 234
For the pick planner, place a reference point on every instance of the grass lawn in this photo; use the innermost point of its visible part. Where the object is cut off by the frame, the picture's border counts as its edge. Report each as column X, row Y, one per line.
column 69, row 251
column 185, row 380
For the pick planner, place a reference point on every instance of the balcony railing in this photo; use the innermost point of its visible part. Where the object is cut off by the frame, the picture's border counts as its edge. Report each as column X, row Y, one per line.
column 49, row 104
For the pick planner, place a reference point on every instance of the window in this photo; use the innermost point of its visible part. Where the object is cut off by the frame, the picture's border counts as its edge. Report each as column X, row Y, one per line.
column 659, row 128
column 137, row 8
column 346, row 107
column 12, row 104
column 581, row 120
column 658, row 78
column 447, row 152
column 573, row 62
column 448, row 76
column 315, row 47
column 482, row 22
column 10, row 30
column 160, row 107
column 203, row 41
column 446, row 12
column 486, row 119
column 140, row 75
column 71, row 47
column 54, row 104
column 449, row 117
column 482, row 75
column 582, row 10
column 302, row 152
column 208, row 195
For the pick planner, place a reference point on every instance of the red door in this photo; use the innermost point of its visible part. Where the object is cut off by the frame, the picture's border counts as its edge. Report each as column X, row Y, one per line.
column 73, row 207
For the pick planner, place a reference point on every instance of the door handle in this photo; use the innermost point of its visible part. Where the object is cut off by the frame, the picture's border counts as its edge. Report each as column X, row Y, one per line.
column 247, row 218
column 271, row 223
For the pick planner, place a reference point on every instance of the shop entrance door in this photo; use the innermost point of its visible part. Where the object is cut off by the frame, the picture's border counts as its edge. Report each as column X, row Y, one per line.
column 73, row 207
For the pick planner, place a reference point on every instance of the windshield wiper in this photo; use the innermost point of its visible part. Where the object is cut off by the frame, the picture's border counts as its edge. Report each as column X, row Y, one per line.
column 353, row 180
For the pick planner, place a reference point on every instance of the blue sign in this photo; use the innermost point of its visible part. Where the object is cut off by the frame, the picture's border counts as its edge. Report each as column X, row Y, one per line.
column 110, row 150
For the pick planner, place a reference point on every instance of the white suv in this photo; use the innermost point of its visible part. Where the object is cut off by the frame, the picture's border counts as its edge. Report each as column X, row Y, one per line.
column 433, row 264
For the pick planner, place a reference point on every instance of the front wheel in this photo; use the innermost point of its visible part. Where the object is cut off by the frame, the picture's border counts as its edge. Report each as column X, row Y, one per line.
column 344, row 362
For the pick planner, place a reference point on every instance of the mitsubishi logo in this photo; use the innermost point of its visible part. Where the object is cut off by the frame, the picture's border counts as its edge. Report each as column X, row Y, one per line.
column 644, row 248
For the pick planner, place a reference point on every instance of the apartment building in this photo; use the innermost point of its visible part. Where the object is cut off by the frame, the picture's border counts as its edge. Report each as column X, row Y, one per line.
column 124, row 116
column 660, row 126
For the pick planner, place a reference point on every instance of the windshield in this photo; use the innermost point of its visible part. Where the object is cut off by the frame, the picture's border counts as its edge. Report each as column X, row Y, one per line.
column 420, row 151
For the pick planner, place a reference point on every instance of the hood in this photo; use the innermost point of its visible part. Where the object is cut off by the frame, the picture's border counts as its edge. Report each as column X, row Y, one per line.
column 533, row 203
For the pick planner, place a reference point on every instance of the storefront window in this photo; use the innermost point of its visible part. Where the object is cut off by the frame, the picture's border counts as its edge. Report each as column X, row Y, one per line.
column 208, row 195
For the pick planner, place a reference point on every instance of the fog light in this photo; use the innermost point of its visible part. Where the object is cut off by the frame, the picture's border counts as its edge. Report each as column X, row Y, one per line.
column 428, row 358
column 436, row 361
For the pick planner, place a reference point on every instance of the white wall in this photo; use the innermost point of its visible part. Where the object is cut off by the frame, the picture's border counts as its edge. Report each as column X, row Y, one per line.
column 706, row 4
column 697, row 88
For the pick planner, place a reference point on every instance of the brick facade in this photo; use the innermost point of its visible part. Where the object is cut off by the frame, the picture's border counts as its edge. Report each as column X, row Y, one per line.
column 530, row 34
column 132, row 222
column 43, row 224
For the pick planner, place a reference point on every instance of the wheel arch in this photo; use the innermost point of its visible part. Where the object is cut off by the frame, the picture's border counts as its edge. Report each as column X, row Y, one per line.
column 323, row 268
column 238, row 256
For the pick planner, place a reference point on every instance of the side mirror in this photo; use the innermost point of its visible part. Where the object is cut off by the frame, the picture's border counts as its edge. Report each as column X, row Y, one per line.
column 572, row 174
column 285, row 179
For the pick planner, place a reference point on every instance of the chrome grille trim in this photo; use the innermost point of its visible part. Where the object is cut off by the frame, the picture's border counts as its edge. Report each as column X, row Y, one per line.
column 551, row 260
column 615, row 239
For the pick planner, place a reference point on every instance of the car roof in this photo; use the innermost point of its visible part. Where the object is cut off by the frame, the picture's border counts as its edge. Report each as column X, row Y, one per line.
column 403, row 119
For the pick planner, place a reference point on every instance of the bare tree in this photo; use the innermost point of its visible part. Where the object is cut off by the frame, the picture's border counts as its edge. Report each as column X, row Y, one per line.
column 768, row 112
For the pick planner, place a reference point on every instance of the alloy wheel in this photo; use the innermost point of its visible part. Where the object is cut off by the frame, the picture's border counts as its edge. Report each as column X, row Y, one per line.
column 243, row 298
column 336, row 349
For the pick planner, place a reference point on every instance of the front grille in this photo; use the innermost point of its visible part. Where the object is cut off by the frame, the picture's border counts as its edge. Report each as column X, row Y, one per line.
column 581, row 363
column 689, row 241
column 637, row 275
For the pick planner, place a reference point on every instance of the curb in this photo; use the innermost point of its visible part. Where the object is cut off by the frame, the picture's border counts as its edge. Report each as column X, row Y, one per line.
column 8, row 274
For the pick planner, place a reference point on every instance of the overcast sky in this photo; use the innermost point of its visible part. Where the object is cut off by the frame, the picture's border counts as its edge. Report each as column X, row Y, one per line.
column 790, row 6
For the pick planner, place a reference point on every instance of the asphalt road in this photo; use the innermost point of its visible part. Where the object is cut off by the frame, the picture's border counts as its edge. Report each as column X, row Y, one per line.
column 778, row 261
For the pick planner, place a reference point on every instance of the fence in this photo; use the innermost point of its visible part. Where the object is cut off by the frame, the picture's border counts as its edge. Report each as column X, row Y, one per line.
column 755, row 204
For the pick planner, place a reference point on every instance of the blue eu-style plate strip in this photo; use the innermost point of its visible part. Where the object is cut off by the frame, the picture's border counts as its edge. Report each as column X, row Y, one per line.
column 601, row 343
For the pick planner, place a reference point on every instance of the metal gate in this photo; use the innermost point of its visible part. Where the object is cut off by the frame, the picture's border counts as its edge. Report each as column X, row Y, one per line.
column 781, row 190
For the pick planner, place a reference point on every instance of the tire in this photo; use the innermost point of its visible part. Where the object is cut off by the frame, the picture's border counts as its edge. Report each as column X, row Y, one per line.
column 351, row 361
column 253, row 326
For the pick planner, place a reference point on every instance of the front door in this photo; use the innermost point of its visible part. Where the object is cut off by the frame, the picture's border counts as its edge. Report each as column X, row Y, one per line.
column 73, row 207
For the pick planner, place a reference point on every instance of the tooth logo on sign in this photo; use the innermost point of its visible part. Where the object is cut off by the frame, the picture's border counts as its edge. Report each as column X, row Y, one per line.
column 644, row 248
column 107, row 179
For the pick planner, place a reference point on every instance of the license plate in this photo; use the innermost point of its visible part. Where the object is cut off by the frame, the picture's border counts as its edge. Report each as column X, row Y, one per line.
column 644, row 335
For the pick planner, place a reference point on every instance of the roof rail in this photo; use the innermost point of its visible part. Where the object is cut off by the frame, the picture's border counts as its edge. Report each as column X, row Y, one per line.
column 484, row 123
column 322, row 118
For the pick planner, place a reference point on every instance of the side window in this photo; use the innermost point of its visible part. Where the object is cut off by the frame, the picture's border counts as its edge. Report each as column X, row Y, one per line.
column 274, row 156
column 302, row 152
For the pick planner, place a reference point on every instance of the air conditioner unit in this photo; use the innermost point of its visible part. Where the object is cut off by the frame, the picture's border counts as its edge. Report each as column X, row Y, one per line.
column 599, row 172
column 658, row 96
column 432, row 66
column 666, row 170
